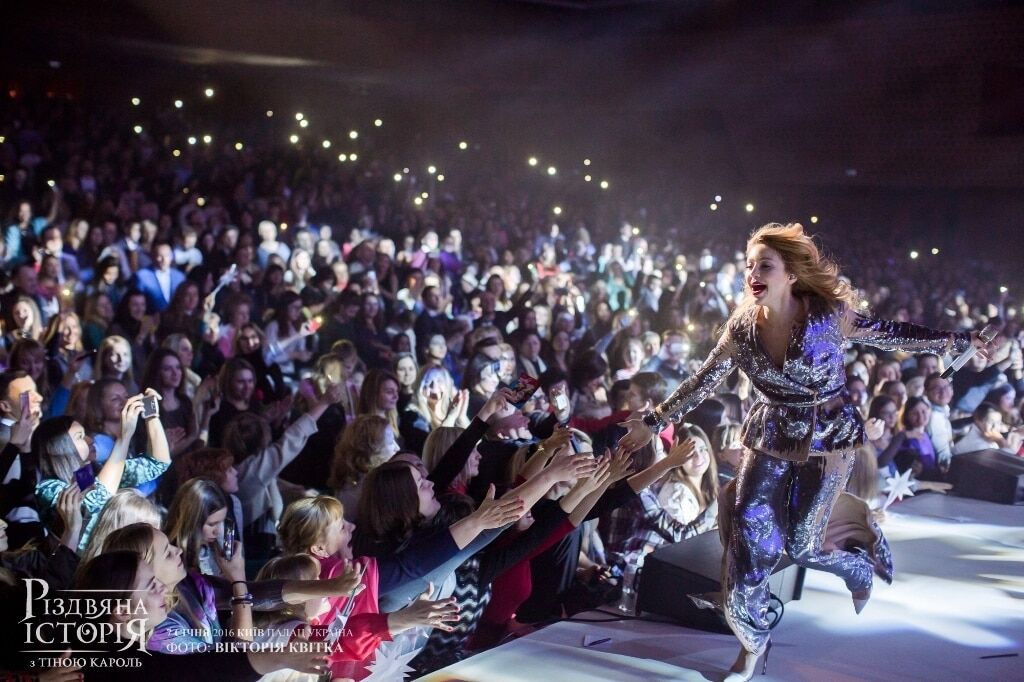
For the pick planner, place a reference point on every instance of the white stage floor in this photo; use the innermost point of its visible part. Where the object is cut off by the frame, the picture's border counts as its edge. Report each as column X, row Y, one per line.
column 957, row 598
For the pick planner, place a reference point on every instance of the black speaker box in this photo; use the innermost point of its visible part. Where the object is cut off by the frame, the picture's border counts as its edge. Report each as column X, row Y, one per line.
column 694, row 567
column 989, row 475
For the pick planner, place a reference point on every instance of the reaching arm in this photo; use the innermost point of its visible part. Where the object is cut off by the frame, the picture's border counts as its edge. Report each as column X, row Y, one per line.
column 702, row 384
column 904, row 336
column 113, row 469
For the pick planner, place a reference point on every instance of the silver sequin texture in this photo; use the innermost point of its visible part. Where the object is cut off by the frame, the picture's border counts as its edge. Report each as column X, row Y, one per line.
column 803, row 406
column 784, row 497
column 783, row 505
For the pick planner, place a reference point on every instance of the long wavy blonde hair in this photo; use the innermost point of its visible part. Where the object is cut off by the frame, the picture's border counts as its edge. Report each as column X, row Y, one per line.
column 816, row 274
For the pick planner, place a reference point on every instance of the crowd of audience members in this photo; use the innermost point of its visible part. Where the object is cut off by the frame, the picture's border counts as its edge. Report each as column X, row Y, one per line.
column 332, row 366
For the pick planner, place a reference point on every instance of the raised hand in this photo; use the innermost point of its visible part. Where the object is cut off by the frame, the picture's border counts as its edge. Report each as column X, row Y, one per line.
column 619, row 465
column 681, row 452
column 496, row 404
column 130, row 417
column 494, row 513
column 571, row 466
column 637, row 435
column 233, row 568
column 351, row 581
column 426, row 612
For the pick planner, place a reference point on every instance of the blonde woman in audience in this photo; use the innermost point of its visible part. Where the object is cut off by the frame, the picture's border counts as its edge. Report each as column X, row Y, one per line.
column 126, row 507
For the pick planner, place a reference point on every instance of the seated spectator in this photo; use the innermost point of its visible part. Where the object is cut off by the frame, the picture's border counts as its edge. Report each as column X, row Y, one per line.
column 126, row 506
column 671, row 360
column 114, row 361
column 99, row 314
column 939, row 429
column 159, row 281
column 182, row 346
column 66, row 455
column 987, row 431
column 435, row 403
column 914, row 438
column 164, row 374
column 366, row 443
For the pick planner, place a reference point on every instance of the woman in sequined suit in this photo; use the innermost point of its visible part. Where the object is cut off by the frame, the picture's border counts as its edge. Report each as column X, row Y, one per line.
column 799, row 438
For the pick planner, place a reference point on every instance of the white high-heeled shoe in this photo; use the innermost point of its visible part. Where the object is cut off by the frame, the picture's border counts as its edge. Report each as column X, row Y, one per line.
column 746, row 663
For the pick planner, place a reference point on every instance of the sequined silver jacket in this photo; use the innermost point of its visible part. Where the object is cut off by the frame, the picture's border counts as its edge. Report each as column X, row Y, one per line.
column 803, row 407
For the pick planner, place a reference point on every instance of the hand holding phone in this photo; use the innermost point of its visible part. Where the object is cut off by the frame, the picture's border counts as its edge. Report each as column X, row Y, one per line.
column 149, row 407
column 228, row 541
column 523, row 389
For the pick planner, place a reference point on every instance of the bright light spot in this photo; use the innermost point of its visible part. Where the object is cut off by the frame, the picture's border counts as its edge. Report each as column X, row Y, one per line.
column 750, row 208
column 814, row 219
column 1003, row 289
column 532, row 161
column 207, row 139
column 184, row 190
column 636, row 231
column 200, row 201
column 690, row 327
column 913, row 255
column 587, row 178
column 284, row 226
column 424, row 195
column 326, row 144
column 136, row 101
column 293, row 138
column 679, row 266
column 178, row 104
column 586, row 162
column 418, row 201
column 51, row 183
column 270, row 113
column 406, row 170
column 463, row 145
column 604, row 184
column 2, row 139
column 191, row 139
column 703, row 284
column 353, row 134
column 238, row 146
column 935, row 251
column 377, row 122
column 718, row 197
column 863, row 304
column 342, row 157
column 398, row 177
column 208, row 92
column 552, row 170
column 176, row 152
column 299, row 116
column 431, row 169
column 138, row 130
column 714, row 207
column 352, row 157
column 557, row 210
column 440, row 177
column 303, row 123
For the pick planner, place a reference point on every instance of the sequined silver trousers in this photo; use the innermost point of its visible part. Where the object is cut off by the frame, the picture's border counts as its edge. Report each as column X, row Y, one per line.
column 783, row 506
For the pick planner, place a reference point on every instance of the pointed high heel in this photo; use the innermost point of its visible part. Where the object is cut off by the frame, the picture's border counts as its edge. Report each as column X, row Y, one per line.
column 746, row 664
column 764, row 663
column 859, row 604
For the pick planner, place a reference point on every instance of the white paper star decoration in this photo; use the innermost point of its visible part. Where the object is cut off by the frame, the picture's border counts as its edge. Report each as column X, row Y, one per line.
column 390, row 664
column 898, row 487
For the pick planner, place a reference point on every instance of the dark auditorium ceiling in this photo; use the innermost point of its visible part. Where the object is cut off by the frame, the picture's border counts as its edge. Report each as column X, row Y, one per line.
column 815, row 93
